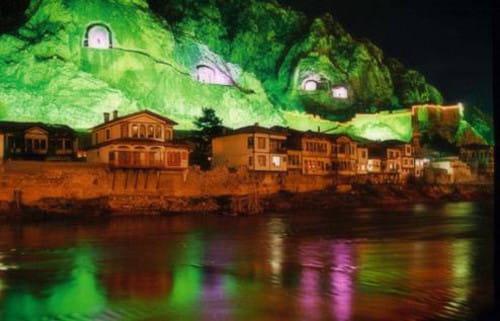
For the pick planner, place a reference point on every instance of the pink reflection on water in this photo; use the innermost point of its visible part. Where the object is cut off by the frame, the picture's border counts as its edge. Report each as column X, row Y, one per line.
column 341, row 281
column 310, row 297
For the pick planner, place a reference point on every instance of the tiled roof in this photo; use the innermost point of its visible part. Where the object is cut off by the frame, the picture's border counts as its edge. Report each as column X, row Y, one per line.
column 145, row 111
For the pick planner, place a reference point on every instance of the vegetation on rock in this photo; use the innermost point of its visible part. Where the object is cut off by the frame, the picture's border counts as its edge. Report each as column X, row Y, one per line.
column 259, row 52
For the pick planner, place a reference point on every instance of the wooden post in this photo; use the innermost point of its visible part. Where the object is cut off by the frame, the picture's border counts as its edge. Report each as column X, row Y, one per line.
column 136, row 177
column 113, row 182
column 146, row 179
column 126, row 178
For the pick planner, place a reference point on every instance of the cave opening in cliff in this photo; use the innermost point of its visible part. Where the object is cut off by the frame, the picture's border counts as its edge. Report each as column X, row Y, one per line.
column 340, row 92
column 98, row 36
column 212, row 75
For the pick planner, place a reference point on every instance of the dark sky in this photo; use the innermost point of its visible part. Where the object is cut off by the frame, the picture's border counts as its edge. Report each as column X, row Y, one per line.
column 449, row 41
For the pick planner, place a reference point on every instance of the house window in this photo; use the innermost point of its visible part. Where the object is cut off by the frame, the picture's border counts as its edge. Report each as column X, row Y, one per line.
column 276, row 161
column 363, row 154
column 142, row 131
column 59, row 144
column 250, row 161
column 108, row 134
column 95, row 138
column 408, row 150
column 173, row 159
column 111, row 157
column 68, row 144
column 261, row 143
column 168, row 135
column 261, row 160
column 151, row 131
column 158, row 132
column 293, row 160
column 135, row 131
column 275, row 145
column 98, row 36
column 250, row 142
column 124, row 130
column 391, row 154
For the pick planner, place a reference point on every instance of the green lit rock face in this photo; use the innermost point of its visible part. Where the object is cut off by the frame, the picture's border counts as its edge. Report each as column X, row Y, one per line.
column 251, row 61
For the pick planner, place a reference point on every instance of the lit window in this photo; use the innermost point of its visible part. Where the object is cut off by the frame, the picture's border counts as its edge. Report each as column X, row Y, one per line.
column 142, row 131
column 339, row 92
column 276, row 161
column 151, row 131
column 98, row 36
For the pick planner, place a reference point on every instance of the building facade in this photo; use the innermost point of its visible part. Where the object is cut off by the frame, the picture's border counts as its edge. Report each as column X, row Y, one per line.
column 480, row 158
column 37, row 141
column 142, row 140
column 255, row 147
column 344, row 155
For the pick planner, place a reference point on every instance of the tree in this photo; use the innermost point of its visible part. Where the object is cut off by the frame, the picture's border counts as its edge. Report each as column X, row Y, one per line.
column 208, row 126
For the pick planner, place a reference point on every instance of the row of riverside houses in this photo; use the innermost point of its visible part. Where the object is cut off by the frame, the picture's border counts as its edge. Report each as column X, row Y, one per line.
column 145, row 140
column 280, row 149
column 140, row 140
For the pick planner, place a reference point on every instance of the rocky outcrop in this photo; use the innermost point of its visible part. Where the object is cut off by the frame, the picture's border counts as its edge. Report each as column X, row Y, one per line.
column 248, row 60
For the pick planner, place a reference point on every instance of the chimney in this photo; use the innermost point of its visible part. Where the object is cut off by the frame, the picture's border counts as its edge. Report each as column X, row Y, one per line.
column 106, row 117
column 256, row 124
column 115, row 114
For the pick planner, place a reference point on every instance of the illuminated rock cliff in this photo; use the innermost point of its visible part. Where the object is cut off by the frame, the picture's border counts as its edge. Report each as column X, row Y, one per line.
column 252, row 61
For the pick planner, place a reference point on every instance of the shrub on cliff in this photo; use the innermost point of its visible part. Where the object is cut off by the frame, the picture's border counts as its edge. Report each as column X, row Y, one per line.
column 208, row 125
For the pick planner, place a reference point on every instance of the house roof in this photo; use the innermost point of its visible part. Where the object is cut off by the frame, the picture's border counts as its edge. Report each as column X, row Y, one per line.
column 142, row 141
column 145, row 111
column 20, row 127
column 254, row 129
column 476, row 146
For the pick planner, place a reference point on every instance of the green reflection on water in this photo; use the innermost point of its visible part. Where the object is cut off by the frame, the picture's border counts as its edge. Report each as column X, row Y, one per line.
column 78, row 295
column 188, row 277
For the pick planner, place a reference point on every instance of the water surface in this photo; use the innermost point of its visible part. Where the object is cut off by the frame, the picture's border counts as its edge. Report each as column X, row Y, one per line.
column 418, row 262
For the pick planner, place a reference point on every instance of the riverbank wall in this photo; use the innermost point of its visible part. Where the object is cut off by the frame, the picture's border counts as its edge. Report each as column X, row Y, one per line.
column 80, row 188
column 60, row 186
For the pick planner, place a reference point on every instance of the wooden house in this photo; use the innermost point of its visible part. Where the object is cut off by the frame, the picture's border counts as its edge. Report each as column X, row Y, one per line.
column 140, row 140
column 256, row 147
column 37, row 141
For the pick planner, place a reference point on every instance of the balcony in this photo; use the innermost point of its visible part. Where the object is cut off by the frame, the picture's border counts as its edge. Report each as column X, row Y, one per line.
column 143, row 160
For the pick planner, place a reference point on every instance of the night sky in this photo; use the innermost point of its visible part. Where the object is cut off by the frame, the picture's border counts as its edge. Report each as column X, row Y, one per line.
column 449, row 41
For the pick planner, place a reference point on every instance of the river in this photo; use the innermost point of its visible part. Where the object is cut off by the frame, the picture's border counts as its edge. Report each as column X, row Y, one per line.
column 412, row 262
